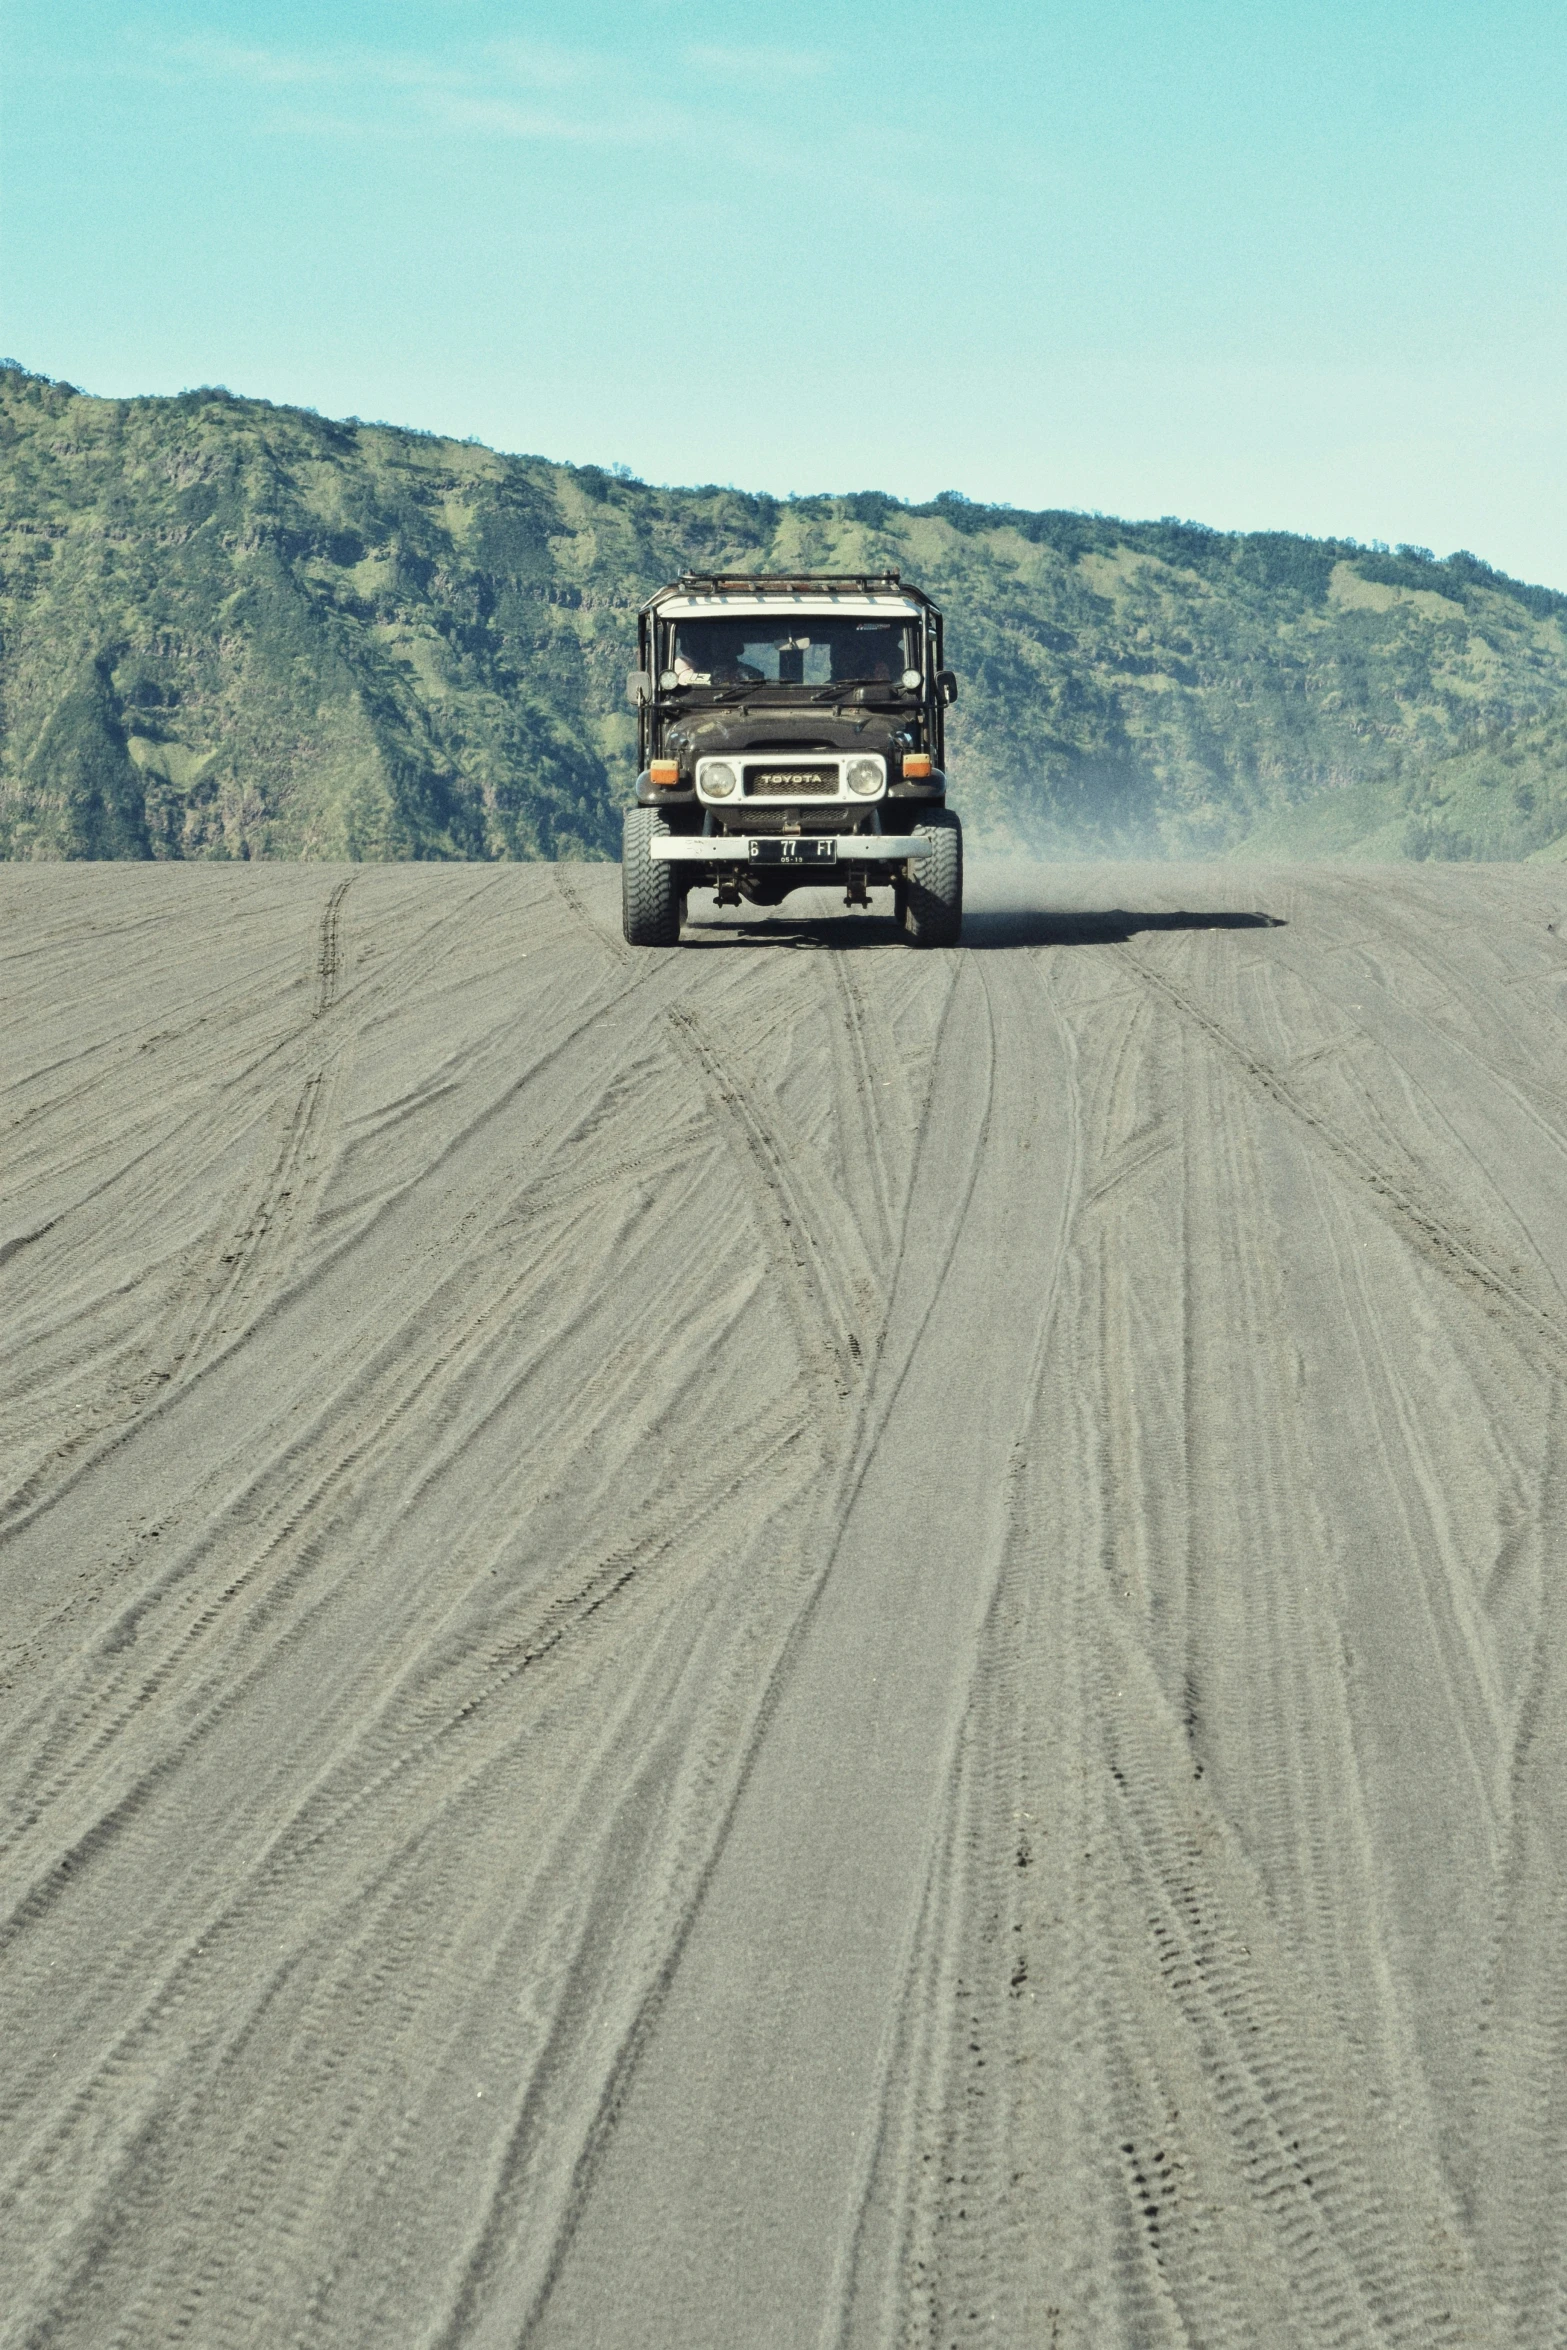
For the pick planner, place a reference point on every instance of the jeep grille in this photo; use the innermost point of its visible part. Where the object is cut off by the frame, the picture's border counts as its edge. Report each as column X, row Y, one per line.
column 792, row 780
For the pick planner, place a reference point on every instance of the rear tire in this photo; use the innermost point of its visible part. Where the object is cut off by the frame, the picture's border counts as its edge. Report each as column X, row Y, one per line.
column 651, row 902
column 930, row 903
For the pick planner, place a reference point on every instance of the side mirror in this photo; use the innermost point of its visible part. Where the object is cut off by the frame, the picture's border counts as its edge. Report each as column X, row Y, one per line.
column 946, row 685
column 638, row 686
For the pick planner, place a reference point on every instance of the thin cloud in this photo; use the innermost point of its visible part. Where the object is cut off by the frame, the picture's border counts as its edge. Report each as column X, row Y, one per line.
column 758, row 63
column 514, row 89
column 543, row 65
column 469, row 95
column 263, row 68
column 296, row 69
column 293, row 122
column 503, row 118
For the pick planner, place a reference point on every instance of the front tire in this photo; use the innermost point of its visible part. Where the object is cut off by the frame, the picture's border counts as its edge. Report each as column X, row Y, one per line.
column 650, row 898
column 930, row 903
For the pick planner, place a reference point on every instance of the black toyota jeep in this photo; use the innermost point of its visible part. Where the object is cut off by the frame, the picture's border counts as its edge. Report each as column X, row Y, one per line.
column 790, row 733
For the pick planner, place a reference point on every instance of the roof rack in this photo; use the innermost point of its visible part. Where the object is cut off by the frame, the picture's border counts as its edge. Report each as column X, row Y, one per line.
column 789, row 579
column 787, row 582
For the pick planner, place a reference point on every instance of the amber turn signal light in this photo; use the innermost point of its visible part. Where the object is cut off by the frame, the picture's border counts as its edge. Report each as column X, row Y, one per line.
column 916, row 767
column 664, row 771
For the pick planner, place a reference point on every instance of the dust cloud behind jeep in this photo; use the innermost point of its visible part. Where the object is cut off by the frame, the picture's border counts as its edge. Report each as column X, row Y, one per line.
column 791, row 733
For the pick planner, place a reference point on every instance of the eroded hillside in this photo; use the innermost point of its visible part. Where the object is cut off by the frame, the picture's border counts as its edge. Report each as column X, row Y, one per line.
column 231, row 629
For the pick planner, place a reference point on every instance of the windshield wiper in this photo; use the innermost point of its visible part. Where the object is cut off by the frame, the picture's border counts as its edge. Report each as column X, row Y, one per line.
column 714, row 695
column 848, row 685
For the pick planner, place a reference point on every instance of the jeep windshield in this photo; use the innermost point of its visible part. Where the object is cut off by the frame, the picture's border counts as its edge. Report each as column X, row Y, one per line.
column 794, row 649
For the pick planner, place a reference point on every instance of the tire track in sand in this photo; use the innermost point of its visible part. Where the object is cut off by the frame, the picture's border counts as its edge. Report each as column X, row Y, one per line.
column 1148, row 2086
column 1085, row 1870
column 261, row 1236
column 132, row 1399
column 329, row 951
column 834, row 1294
column 865, row 1071
column 756, row 1995
column 611, row 941
column 1429, row 1231
column 1512, row 2179
column 288, row 1502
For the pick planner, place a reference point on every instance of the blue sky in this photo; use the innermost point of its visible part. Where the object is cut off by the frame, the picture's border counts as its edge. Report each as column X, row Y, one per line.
column 1270, row 266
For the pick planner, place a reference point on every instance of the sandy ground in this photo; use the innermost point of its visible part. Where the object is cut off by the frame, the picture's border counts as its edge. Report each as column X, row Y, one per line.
column 788, row 1643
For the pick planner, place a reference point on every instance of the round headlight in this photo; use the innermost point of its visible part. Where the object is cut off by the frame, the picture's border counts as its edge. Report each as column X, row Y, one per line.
column 718, row 780
column 865, row 776
column 910, row 680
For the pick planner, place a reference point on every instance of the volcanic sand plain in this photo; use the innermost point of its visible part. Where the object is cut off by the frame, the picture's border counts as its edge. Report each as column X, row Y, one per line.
column 788, row 1642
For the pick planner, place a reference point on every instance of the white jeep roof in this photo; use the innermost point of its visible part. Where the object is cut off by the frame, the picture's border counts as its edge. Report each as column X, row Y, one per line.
column 856, row 604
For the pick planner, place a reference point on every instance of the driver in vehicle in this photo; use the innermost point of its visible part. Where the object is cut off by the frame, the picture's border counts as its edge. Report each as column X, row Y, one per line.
column 700, row 659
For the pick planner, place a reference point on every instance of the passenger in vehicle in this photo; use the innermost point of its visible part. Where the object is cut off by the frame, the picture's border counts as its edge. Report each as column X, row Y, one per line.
column 870, row 653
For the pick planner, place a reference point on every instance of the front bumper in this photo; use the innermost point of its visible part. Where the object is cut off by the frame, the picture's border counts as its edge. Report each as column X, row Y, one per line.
column 734, row 848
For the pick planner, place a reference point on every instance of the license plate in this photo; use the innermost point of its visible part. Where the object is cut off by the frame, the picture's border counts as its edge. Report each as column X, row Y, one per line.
column 794, row 852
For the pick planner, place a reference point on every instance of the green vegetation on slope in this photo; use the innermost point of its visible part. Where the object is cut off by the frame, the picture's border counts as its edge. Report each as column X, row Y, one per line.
column 1506, row 798
column 230, row 629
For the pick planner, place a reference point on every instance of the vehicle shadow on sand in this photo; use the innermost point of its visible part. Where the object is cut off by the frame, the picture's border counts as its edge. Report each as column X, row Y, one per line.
column 1100, row 926
column 985, row 931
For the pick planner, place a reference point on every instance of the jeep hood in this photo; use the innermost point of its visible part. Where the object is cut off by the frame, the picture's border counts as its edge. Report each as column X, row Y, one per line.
column 779, row 728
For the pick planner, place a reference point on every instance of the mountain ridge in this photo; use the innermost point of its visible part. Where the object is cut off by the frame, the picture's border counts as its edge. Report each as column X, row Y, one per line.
column 230, row 628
